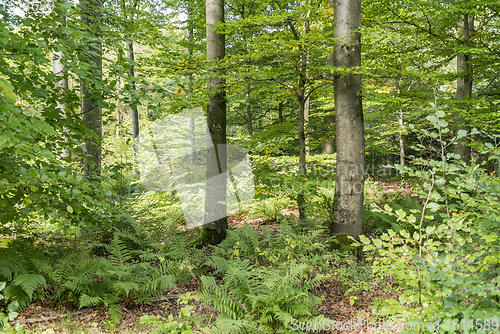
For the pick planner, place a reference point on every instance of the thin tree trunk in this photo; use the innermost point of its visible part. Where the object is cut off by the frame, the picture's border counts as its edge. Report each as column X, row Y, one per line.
column 249, row 112
column 464, row 85
column 349, row 181
column 91, row 97
column 118, row 113
column 307, row 110
column 280, row 113
column 133, row 109
column 62, row 85
column 329, row 145
column 401, row 139
column 307, row 102
column 302, row 147
column 215, row 219
column 134, row 114
column 190, row 120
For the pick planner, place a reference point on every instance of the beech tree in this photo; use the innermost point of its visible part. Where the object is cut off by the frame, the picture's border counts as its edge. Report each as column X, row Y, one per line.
column 129, row 47
column 349, row 181
column 215, row 220
column 91, row 86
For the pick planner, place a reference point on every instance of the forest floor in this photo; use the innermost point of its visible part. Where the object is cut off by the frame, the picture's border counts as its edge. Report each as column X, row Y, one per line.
column 53, row 317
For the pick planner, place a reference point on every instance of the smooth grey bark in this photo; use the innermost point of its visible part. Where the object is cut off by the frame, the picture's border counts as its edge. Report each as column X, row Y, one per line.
column 91, row 96
column 62, row 87
column 249, row 111
column 329, row 145
column 349, row 181
column 134, row 114
column 464, row 84
column 190, row 120
column 215, row 220
column 307, row 111
column 133, row 108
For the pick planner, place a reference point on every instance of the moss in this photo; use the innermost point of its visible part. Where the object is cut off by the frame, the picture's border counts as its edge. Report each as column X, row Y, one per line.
column 208, row 236
column 343, row 243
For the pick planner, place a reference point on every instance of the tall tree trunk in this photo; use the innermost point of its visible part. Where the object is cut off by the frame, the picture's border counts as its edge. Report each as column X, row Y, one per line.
column 302, row 146
column 307, row 111
column 249, row 112
column 464, row 85
column 134, row 114
column 349, row 181
column 215, row 219
column 329, row 145
column 401, row 139
column 62, row 87
column 91, row 96
column 190, row 120
column 305, row 63
column 118, row 113
column 133, row 109
column 280, row 113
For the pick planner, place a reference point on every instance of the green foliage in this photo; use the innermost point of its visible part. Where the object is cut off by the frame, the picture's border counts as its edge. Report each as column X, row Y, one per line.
column 21, row 283
column 448, row 271
column 267, row 280
column 9, row 313
column 262, row 300
column 269, row 208
column 186, row 323
column 125, row 273
column 380, row 221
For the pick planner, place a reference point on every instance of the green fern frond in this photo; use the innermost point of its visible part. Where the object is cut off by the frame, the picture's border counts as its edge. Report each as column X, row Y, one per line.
column 16, row 293
column 119, row 252
column 29, row 283
column 88, row 301
column 115, row 313
column 126, row 287
column 161, row 281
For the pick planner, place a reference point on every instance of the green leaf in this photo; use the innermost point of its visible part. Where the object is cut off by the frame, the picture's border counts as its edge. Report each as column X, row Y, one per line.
column 69, row 208
column 461, row 134
column 362, row 238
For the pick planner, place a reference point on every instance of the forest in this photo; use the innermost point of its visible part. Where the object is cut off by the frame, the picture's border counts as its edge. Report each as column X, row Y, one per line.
column 249, row 166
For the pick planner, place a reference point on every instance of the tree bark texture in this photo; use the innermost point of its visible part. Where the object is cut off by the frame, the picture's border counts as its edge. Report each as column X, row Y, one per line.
column 464, row 85
column 349, row 181
column 90, row 89
column 133, row 108
column 215, row 220
column 61, row 87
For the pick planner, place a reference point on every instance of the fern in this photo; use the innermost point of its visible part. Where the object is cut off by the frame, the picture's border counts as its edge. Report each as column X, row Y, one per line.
column 253, row 298
column 29, row 283
column 22, row 284
column 161, row 280
column 88, row 301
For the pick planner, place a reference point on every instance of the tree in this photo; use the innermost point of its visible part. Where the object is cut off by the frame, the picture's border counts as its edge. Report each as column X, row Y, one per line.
column 464, row 81
column 129, row 46
column 215, row 219
column 349, row 181
column 91, row 86
column 61, row 85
